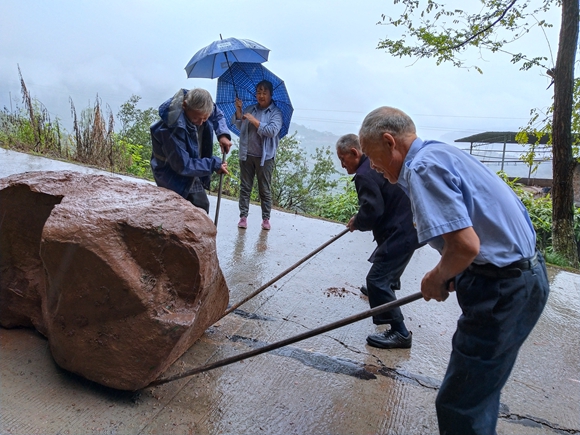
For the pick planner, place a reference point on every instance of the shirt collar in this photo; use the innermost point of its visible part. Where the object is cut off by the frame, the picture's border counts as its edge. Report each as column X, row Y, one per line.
column 413, row 150
column 362, row 159
column 190, row 126
column 257, row 107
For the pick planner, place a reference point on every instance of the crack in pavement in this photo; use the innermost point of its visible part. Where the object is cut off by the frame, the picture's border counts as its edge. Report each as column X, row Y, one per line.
column 345, row 366
column 530, row 421
column 363, row 371
column 326, row 363
column 252, row 316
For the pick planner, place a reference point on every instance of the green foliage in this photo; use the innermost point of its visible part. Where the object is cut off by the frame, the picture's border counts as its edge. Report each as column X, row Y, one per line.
column 135, row 122
column 298, row 179
column 540, row 124
column 39, row 135
column 552, row 258
column 93, row 140
column 16, row 130
column 136, row 135
column 339, row 206
column 540, row 212
column 444, row 34
column 30, row 128
column 230, row 183
column 135, row 164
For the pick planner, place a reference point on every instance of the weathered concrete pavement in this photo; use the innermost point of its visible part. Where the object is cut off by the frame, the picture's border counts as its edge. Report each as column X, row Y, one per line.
column 317, row 386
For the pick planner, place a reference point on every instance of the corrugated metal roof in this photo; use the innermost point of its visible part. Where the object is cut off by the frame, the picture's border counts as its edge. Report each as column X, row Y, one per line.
column 501, row 137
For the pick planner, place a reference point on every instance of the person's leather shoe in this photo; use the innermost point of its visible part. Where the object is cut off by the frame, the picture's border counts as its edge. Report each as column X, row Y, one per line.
column 364, row 290
column 390, row 340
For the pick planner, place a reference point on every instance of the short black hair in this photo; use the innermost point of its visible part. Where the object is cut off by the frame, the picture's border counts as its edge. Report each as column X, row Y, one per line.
column 266, row 85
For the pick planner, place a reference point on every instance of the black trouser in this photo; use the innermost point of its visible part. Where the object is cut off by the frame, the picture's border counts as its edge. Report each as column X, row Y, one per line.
column 199, row 199
column 382, row 281
column 498, row 313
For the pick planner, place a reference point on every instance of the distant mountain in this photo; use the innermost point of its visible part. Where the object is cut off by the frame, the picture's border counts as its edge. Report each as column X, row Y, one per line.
column 311, row 139
column 313, row 134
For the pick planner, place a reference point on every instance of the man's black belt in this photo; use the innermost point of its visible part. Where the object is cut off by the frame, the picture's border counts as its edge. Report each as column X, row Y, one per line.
column 512, row 270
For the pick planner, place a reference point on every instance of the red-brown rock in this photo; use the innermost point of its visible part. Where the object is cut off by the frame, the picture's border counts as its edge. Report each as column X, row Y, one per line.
column 121, row 277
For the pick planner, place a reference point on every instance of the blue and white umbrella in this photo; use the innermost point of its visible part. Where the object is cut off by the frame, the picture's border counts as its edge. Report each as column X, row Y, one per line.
column 241, row 80
column 212, row 61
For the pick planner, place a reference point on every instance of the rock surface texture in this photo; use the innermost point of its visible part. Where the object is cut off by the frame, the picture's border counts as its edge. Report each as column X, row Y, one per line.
column 121, row 277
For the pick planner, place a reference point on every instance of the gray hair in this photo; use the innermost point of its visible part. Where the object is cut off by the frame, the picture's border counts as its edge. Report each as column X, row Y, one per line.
column 386, row 120
column 346, row 142
column 200, row 100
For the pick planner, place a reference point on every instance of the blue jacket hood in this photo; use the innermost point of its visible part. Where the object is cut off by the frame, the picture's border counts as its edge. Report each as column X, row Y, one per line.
column 170, row 110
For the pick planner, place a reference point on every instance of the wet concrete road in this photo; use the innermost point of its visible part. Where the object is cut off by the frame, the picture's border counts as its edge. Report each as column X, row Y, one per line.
column 329, row 384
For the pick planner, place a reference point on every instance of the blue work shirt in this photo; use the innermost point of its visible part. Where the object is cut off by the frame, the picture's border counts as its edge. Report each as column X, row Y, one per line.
column 270, row 126
column 385, row 209
column 451, row 190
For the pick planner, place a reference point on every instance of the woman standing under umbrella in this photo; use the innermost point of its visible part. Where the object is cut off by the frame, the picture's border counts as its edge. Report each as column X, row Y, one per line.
column 259, row 126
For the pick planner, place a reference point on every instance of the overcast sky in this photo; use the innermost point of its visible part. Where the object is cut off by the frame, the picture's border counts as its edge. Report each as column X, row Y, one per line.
column 324, row 50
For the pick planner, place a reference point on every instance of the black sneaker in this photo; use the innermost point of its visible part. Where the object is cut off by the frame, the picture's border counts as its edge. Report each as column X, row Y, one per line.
column 390, row 340
column 364, row 290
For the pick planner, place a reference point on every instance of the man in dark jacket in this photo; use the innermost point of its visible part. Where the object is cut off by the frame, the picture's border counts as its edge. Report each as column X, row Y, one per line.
column 182, row 145
column 386, row 210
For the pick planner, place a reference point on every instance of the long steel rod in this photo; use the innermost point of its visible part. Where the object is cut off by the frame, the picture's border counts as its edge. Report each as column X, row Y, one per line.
column 219, row 198
column 347, row 321
column 290, row 269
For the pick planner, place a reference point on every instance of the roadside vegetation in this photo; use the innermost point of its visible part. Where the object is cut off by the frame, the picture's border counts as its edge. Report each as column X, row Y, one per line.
column 540, row 211
column 432, row 30
column 302, row 183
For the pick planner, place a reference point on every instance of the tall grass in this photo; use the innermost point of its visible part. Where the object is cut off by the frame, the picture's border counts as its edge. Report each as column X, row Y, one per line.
column 93, row 136
column 92, row 142
column 30, row 128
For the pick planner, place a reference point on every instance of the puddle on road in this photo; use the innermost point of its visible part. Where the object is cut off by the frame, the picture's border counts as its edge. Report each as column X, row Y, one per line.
column 252, row 316
column 315, row 360
column 339, row 365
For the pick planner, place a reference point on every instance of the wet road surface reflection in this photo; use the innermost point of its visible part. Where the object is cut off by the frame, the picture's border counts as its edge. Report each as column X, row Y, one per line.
column 332, row 383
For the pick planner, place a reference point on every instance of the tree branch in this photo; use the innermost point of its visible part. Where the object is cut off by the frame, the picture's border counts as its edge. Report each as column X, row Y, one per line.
column 486, row 29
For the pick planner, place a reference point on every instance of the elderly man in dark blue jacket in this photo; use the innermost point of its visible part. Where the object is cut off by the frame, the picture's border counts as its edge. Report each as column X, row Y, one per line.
column 182, row 145
column 385, row 209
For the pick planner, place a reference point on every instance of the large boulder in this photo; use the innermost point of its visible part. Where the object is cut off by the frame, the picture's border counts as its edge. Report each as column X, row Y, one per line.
column 121, row 277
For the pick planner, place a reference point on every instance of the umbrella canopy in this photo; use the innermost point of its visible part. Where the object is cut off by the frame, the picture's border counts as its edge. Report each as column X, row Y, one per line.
column 241, row 79
column 211, row 61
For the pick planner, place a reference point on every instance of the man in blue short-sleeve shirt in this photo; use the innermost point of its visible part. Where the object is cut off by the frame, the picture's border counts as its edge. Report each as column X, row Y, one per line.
column 487, row 246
